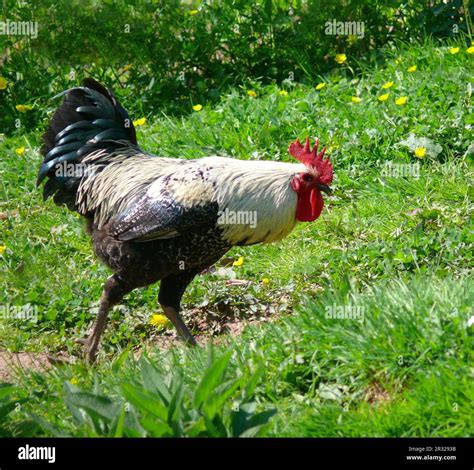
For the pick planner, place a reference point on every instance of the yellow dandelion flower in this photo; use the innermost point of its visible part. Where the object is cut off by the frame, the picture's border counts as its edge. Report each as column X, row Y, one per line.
column 139, row 122
column 469, row 50
column 193, row 12
column 412, row 69
column 74, row 381
column 2, row 249
column 265, row 281
column 197, row 107
column 158, row 320
column 3, row 83
column 20, row 151
column 23, row 108
column 384, row 97
column 454, row 50
column 387, row 85
column 340, row 58
column 238, row 262
column 420, row 152
column 351, row 39
column 320, row 86
column 251, row 93
column 283, row 93
column 356, row 99
column 401, row 101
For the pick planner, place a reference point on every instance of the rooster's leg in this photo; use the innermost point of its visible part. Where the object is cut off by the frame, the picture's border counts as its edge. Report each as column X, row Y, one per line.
column 171, row 291
column 114, row 290
column 173, row 316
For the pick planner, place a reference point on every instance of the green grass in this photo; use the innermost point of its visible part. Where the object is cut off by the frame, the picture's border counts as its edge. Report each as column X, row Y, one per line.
column 397, row 248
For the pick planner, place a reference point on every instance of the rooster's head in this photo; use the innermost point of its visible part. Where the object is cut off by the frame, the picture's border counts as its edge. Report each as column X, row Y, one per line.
column 309, row 184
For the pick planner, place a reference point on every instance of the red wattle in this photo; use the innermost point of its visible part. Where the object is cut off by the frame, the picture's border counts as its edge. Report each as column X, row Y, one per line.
column 310, row 205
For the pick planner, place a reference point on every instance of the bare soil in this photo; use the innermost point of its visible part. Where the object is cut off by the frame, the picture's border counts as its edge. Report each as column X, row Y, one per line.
column 11, row 362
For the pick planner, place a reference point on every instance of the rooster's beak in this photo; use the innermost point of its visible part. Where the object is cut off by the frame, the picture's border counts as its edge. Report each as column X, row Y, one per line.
column 325, row 188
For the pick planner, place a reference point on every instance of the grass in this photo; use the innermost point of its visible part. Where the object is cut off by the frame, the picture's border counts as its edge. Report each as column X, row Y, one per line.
column 393, row 246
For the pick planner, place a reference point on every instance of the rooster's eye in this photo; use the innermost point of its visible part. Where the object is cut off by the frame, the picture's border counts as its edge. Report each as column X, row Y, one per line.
column 307, row 177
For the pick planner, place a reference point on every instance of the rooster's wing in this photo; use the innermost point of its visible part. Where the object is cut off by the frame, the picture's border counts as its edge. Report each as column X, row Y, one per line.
column 150, row 218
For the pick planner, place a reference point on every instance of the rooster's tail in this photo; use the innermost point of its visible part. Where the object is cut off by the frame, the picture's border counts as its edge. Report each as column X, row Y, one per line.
column 90, row 119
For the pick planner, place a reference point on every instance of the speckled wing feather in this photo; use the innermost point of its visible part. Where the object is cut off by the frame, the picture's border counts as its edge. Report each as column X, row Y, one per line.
column 149, row 218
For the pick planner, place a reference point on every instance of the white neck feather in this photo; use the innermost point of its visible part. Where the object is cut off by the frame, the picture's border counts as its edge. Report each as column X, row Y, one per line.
column 255, row 198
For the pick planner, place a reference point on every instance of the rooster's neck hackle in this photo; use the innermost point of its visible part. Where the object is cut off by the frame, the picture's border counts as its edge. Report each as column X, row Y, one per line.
column 259, row 189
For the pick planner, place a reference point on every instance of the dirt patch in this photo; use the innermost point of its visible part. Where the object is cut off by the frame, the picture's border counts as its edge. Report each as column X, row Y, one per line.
column 215, row 324
column 11, row 362
column 205, row 328
column 375, row 394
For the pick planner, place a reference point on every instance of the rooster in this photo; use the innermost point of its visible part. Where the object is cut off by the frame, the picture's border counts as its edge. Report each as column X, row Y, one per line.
column 161, row 219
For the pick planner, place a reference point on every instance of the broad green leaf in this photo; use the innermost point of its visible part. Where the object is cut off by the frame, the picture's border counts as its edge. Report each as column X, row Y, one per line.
column 257, row 422
column 145, row 401
column 245, row 422
column 211, row 379
column 6, row 389
column 155, row 427
column 175, row 409
column 216, row 401
column 117, row 364
column 96, row 406
column 6, row 408
column 116, row 428
column 47, row 426
column 153, row 380
column 196, row 428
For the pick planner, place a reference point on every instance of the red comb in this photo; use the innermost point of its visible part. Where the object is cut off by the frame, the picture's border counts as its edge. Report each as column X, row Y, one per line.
column 312, row 159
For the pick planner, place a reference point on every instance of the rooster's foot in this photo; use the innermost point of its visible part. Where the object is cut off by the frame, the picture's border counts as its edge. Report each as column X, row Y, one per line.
column 91, row 345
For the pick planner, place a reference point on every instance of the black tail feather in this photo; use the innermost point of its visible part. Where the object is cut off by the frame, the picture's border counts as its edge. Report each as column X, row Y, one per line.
column 90, row 118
